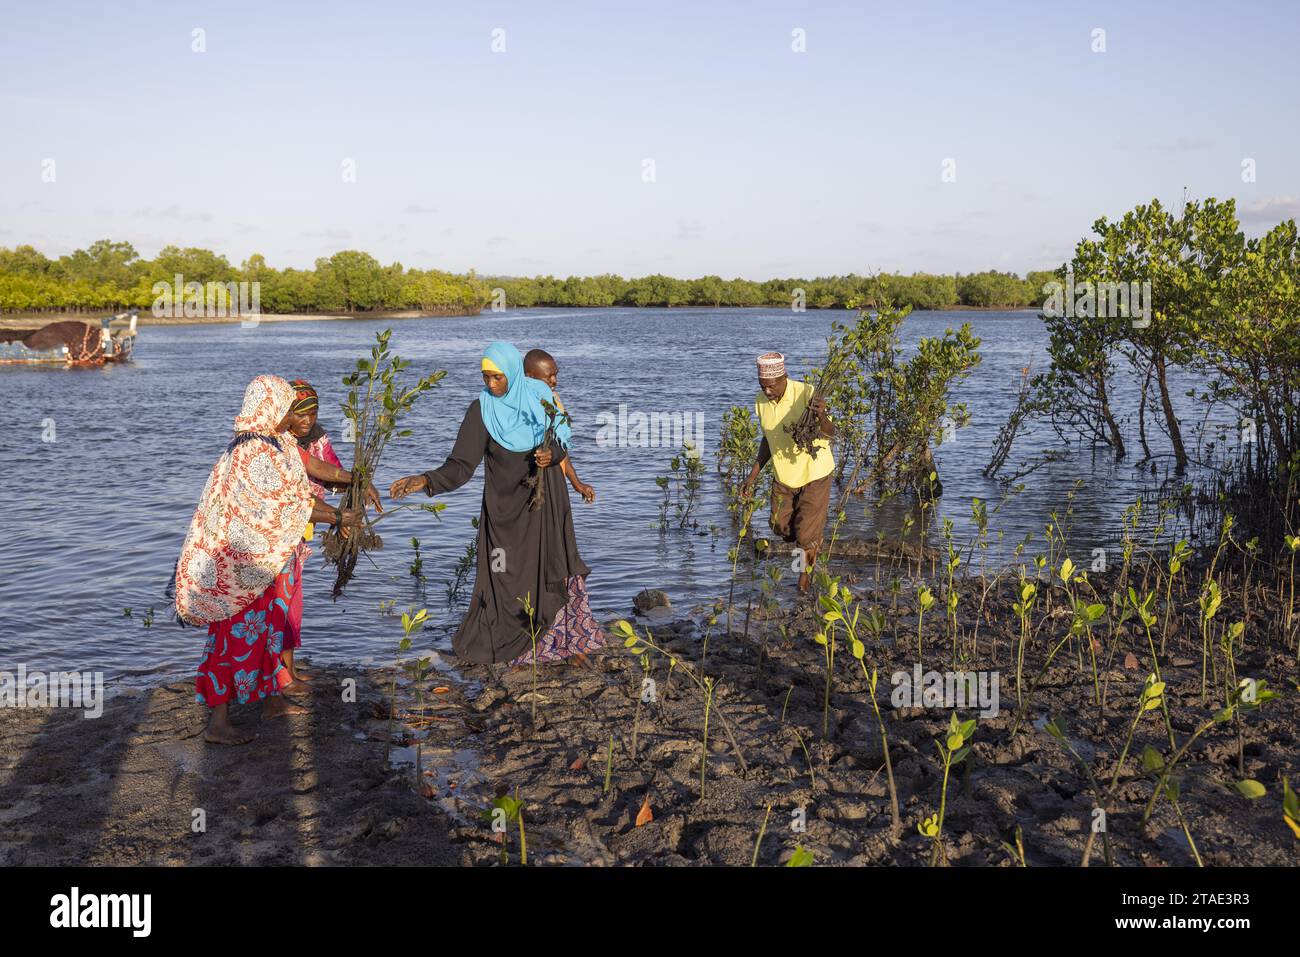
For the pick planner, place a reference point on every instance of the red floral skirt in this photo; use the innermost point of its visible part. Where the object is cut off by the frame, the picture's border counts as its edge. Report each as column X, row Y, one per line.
column 241, row 660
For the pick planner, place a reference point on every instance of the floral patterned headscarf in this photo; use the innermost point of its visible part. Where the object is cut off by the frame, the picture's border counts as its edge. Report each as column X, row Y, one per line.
column 251, row 515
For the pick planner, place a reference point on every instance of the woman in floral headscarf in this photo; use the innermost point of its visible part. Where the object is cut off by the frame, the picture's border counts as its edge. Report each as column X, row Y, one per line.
column 236, row 572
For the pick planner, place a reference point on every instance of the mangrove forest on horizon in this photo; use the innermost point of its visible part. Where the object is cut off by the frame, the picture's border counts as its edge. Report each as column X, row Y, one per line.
column 110, row 274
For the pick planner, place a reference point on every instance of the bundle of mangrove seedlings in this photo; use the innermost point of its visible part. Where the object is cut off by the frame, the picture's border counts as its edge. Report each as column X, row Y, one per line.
column 807, row 430
column 536, row 486
column 376, row 400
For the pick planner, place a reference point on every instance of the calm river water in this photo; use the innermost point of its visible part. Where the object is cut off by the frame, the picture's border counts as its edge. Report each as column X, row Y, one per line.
column 94, row 519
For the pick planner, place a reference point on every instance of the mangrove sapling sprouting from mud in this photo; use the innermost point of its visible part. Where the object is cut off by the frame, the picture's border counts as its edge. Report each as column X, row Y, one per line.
column 1153, row 691
column 1018, row 852
column 1173, row 790
column 1023, row 609
column 410, row 625
column 1143, row 611
column 924, row 602
column 753, row 861
column 418, row 671
column 742, row 530
column 1177, row 561
column 812, row 777
column 637, row 645
column 534, row 630
column 1249, row 696
column 1208, row 605
column 376, row 401
column 1165, row 769
column 501, row 813
column 704, row 740
column 464, row 569
column 875, row 623
column 1055, row 728
column 640, row 697
column 953, row 559
column 829, row 590
column 952, row 751
column 1084, row 619
column 802, row 857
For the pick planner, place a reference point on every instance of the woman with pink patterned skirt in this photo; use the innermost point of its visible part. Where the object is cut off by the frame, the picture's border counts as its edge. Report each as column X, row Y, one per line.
column 527, row 552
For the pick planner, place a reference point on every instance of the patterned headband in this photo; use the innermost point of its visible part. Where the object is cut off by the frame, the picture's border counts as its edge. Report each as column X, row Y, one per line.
column 305, row 396
column 771, row 365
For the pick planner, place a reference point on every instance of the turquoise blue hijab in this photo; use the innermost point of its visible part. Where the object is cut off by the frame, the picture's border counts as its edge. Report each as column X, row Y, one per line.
column 517, row 419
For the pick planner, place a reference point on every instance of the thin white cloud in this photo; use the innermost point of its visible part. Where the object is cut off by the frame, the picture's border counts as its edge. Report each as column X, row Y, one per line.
column 1271, row 210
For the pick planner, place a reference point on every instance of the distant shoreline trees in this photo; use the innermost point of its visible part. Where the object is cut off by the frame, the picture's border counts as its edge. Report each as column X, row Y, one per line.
column 922, row 291
column 111, row 275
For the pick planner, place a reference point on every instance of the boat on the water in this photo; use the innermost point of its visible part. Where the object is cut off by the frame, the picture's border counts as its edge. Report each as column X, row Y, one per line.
column 71, row 342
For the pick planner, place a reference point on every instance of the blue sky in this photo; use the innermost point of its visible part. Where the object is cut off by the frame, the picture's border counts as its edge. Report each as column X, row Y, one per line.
column 767, row 162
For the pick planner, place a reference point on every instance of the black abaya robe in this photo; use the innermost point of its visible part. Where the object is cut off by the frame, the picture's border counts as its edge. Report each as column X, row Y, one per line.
column 520, row 552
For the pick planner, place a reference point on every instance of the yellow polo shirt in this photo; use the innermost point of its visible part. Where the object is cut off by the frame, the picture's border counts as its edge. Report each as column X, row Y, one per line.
column 793, row 467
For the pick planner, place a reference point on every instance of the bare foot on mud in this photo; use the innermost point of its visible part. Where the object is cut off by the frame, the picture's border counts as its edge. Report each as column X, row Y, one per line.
column 276, row 706
column 805, row 581
column 227, row 733
column 580, row 660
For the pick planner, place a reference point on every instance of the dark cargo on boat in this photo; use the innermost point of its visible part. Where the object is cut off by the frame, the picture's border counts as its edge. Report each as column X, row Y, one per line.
column 71, row 342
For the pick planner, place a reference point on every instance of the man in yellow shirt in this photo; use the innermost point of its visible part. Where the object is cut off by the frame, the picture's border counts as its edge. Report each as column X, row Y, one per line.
column 801, row 482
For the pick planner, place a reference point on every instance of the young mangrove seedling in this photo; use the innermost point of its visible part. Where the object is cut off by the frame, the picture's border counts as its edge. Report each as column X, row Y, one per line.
column 1144, row 613
column 1085, row 619
column 753, row 861
column 1151, row 762
column 501, row 813
column 952, row 751
column 1018, row 852
column 418, row 671
column 417, row 563
column 874, row 622
column 802, row 857
column 708, row 691
column 1023, row 608
column 1056, row 729
column 410, row 625
column 1152, row 695
column 533, row 632
column 829, row 590
column 924, row 602
column 1165, row 769
column 1177, row 561
column 1209, row 602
